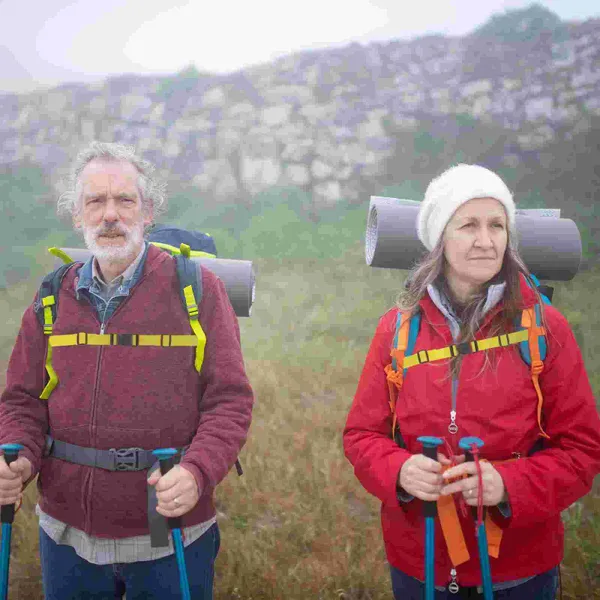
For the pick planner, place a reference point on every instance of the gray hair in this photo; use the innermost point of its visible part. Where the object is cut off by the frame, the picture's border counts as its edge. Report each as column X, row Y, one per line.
column 152, row 189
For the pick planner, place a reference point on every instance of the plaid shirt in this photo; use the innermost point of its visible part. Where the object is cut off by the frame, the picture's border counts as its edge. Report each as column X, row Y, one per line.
column 106, row 297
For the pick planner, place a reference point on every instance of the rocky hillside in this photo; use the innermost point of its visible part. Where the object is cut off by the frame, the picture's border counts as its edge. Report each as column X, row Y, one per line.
column 326, row 121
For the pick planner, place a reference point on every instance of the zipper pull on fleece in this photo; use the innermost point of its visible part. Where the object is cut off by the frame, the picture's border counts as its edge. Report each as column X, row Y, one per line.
column 453, row 587
column 102, row 329
column 453, row 427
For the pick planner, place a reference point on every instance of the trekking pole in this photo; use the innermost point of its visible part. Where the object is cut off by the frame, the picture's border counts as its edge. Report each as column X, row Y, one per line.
column 467, row 444
column 165, row 457
column 430, row 445
column 7, row 516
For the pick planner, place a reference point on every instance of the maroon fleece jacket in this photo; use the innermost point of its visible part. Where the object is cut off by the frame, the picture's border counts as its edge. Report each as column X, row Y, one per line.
column 118, row 397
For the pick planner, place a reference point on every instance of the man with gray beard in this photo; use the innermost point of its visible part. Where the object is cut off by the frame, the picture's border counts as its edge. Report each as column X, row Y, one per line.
column 89, row 435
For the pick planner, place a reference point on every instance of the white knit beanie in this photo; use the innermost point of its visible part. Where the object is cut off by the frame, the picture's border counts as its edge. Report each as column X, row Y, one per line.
column 446, row 193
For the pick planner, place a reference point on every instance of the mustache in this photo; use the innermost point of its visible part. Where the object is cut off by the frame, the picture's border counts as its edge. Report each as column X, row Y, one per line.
column 111, row 229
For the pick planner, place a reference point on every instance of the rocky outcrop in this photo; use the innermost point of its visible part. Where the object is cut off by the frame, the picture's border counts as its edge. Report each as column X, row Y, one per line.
column 322, row 120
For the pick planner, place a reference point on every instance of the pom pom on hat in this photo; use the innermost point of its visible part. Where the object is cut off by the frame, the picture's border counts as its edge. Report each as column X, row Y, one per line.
column 446, row 193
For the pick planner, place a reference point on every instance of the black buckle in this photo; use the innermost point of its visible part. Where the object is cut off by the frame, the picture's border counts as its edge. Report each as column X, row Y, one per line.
column 464, row 348
column 124, row 339
column 126, row 459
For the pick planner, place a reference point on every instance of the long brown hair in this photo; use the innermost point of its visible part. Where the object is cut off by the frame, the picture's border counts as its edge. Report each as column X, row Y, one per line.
column 431, row 269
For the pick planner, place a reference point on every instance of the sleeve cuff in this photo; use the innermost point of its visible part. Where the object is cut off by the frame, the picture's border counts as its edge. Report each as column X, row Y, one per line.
column 403, row 496
column 504, row 509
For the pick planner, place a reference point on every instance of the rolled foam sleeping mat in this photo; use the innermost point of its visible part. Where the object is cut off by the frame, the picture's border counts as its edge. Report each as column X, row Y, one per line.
column 237, row 276
column 549, row 245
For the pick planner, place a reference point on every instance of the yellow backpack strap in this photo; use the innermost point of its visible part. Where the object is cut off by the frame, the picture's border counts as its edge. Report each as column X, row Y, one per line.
column 534, row 332
column 59, row 253
column 47, row 303
column 190, row 282
column 499, row 341
column 183, row 249
column 46, row 311
column 192, row 309
column 123, row 339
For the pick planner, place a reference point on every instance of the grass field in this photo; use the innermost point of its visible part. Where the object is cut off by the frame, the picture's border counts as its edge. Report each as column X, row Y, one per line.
column 298, row 525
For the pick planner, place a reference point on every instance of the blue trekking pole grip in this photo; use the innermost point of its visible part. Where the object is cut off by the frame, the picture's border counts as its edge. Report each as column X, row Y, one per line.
column 466, row 444
column 430, row 445
column 7, row 516
column 166, row 462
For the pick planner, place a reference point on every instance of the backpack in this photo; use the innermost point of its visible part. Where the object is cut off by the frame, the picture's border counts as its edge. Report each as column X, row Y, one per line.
column 179, row 243
column 529, row 334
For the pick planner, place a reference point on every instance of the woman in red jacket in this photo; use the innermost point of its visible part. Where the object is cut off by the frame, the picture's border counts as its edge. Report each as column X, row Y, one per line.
column 472, row 286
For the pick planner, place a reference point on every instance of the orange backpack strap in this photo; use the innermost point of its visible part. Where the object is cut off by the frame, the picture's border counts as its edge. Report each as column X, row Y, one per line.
column 395, row 371
column 536, row 332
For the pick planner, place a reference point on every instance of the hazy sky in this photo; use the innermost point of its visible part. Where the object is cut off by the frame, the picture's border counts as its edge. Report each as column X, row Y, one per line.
column 43, row 42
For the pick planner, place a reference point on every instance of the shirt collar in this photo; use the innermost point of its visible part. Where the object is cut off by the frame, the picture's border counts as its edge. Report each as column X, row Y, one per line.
column 89, row 274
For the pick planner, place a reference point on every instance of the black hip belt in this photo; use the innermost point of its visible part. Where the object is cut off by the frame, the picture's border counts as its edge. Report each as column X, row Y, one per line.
column 114, row 459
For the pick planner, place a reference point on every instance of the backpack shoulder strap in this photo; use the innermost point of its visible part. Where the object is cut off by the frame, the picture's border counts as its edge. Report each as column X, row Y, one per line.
column 413, row 332
column 46, row 307
column 190, row 290
column 46, row 310
column 533, row 351
column 405, row 338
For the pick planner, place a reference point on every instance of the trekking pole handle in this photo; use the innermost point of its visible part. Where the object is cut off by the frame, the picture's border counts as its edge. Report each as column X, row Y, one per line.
column 11, row 453
column 430, row 446
column 465, row 444
column 166, row 462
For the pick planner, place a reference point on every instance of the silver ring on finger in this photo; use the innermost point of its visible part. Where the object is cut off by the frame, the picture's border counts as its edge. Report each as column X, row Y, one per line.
column 470, row 492
column 176, row 502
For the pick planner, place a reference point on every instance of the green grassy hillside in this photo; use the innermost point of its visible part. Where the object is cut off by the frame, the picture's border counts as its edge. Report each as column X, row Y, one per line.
column 298, row 525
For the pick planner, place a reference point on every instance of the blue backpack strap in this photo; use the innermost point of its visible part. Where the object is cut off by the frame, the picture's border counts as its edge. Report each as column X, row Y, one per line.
column 395, row 342
column 545, row 291
column 413, row 332
column 524, row 346
column 188, row 274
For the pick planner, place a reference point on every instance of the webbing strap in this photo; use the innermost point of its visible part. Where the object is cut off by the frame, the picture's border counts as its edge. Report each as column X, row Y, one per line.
column 499, row 341
column 48, row 302
column 114, row 459
column 534, row 331
column 453, row 534
column 394, row 375
column 122, row 339
column 192, row 309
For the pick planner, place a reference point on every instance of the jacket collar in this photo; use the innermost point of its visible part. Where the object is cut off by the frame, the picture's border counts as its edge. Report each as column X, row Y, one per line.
column 495, row 301
column 150, row 260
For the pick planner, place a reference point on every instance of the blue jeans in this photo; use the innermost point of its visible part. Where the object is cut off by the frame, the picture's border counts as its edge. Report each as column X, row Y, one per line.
column 541, row 587
column 67, row 576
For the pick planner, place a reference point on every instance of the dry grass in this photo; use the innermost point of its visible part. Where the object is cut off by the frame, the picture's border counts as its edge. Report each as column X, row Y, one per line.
column 298, row 525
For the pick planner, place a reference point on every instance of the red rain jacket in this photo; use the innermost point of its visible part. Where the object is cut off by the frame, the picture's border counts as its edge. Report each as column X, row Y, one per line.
column 129, row 397
column 498, row 406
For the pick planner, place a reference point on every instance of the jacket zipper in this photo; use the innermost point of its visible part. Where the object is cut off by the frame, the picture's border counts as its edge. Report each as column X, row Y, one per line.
column 89, row 482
